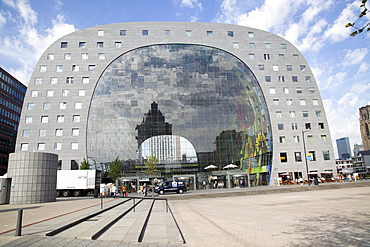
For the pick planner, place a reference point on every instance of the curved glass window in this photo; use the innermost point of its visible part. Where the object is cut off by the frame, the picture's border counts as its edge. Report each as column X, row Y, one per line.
column 203, row 94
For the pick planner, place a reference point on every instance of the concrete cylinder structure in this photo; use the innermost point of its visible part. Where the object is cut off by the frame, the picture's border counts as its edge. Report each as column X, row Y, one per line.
column 34, row 177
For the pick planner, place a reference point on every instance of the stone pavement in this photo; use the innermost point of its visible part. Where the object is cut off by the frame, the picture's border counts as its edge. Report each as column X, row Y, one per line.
column 327, row 215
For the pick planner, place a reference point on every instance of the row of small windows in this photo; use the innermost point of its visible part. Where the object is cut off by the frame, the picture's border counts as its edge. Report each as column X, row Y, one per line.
column 286, row 90
column 59, row 68
column 60, row 119
column 294, row 126
column 7, row 142
column 47, row 106
column 12, row 91
column 68, row 80
column 42, row 146
column 282, row 78
column 8, row 132
column 10, row 105
column 296, row 139
column 68, row 56
column 289, row 102
column 5, row 121
column 9, row 115
column 58, row 132
column 50, row 93
column 12, row 82
column 267, row 56
column 276, row 67
column 298, row 156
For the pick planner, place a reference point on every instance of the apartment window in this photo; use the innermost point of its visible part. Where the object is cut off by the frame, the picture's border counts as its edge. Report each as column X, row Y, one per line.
column 282, row 139
column 62, row 105
column 84, row 56
column 76, row 118
column 99, row 44
column 295, row 78
column 236, row 45
column 26, row 133
column 289, row 102
column 59, row 68
column 299, row 90
column 272, row 90
column 91, row 67
column 46, row 106
column 41, row 146
column 31, row 106
column 302, row 102
column 67, row 56
column 65, row 92
column 166, row 32
column 69, row 80
column 280, row 126
column 251, row 56
column 307, row 126
column 252, row 45
column 281, row 79
column 310, row 138
column 75, row 132
column 24, row 147
column 28, row 119
column 59, row 132
column 63, row 44
column 313, row 154
column 266, row 56
column 305, row 113
column 268, row 45
column 38, row 80
column 294, row 126
column 60, row 119
column 85, row 80
column 295, row 56
column 286, row 90
column 281, row 56
column 308, row 78
column 303, row 67
column 34, row 93
column 298, row 156
column 75, row 68
column 81, row 92
column 44, row 119
column 250, row 34
column 323, row 138
column 289, row 67
column 82, row 45
column 122, row 32
column 230, row 33
column 318, row 113
column 210, row 33
column 292, row 114
column 188, row 33
column 315, row 102
column 283, row 46
column 117, row 44
column 53, row 80
column 50, row 56
column 311, row 90
column 278, row 114
column 100, row 32
column 43, row 68
column 261, row 67
column 326, row 155
column 268, row 78
column 74, row 145
column 57, row 146
column 296, row 138
column 101, row 55
column 144, row 32
column 283, row 157
column 321, row 126
column 275, row 67
column 78, row 105
column 276, row 101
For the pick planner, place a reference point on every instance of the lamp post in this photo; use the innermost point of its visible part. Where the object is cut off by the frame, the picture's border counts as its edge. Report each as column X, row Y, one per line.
column 305, row 158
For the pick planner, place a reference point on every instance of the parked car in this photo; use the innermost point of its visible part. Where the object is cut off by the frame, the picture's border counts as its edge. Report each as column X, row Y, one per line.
column 171, row 186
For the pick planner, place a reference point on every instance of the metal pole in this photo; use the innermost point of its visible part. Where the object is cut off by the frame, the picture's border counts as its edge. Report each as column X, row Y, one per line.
column 101, row 201
column 134, row 204
column 18, row 229
column 305, row 158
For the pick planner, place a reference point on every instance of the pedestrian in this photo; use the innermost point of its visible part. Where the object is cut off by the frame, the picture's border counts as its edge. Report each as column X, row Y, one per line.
column 124, row 192
column 144, row 190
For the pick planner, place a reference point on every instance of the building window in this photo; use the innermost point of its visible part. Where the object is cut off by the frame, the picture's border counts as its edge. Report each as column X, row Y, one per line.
column 74, row 145
column 117, row 45
column 81, row 92
column 60, row 119
column 281, row 56
column 144, row 32
column 283, row 157
column 53, row 80
column 38, row 80
column 298, row 156
column 85, row 80
column 236, row 45
column 318, row 113
column 43, row 68
column 24, row 147
column 188, row 33
column 78, row 105
column 65, row 92
column 323, row 138
column 261, row 67
column 101, row 55
column 122, row 32
column 69, row 80
column 251, row 56
column 44, row 119
column 313, row 154
column 67, row 56
column 46, row 106
column 75, row 68
column 315, row 102
column 63, row 44
column 305, row 113
column 28, row 119
column 59, row 68
column 311, row 90
column 57, row 146
column 307, row 126
column 84, row 56
column 75, row 132
column 289, row 102
column 266, row 56
column 230, row 33
column 268, row 45
column 321, row 126
column 250, row 34
column 310, row 138
column 275, row 101
column 295, row 57
column 283, row 46
column 308, row 78
column 82, row 45
column 76, row 118
column 268, row 78
column 299, row 90
column 100, row 32
column 166, row 32
column 41, row 146
column 292, row 114
column 26, row 133
column 280, row 126
column 42, row 132
column 303, row 67
column 31, row 106
column 275, row 67
column 286, row 90
column 294, row 126
column 272, row 90
column 302, row 102
column 50, row 56
column 278, row 114
column 252, row 45
column 296, row 138
column 34, row 93
column 99, row 44
column 281, row 79
column 295, row 78
column 282, row 139
column 289, row 67
column 59, row 132
column 62, row 105
column 91, row 67
column 326, row 155
column 210, row 33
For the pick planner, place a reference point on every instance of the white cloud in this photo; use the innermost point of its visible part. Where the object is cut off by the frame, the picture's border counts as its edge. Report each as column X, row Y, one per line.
column 364, row 67
column 333, row 81
column 10, row 3
column 27, row 13
column 228, row 12
column 354, row 57
column 2, row 20
column 191, row 4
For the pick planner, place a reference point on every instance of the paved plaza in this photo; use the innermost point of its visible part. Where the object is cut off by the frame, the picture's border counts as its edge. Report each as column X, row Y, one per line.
column 325, row 215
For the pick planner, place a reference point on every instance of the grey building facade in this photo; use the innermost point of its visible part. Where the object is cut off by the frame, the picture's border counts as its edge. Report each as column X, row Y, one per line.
column 344, row 148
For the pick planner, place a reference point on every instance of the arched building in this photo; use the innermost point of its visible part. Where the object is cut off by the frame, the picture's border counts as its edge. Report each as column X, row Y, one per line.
column 217, row 94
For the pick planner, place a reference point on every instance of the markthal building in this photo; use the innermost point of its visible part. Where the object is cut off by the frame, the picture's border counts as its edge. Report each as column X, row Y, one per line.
column 215, row 103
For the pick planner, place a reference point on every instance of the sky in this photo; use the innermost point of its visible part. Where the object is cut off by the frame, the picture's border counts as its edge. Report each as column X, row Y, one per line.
column 340, row 63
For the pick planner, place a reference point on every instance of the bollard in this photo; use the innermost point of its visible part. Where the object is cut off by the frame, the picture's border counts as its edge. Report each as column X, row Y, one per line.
column 101, row 202
column 18, row 229
column 134, row 205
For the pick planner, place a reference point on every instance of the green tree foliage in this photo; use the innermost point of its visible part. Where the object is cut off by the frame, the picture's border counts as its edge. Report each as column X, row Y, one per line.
column 85, row 165
column 115, row 168
column 362, row 14
column 151, row 167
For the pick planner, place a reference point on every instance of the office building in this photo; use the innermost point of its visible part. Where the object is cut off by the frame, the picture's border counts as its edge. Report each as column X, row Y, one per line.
column 365, row 126
column 344, row 149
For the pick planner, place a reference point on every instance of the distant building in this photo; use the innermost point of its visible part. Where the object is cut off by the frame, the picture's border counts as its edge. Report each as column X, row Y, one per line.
column 357, row 148
column 365, row 126
column 12, row 94
column 344, row 149
column 361, row 163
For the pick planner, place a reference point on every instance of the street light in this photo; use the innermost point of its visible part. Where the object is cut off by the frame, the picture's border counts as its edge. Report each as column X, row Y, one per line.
column 304, row 148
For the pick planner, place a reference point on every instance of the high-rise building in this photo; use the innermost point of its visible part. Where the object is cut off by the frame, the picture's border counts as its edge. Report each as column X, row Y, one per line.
column 12, row 94
column 238, row 95
column 344, row 149
column 365, row 126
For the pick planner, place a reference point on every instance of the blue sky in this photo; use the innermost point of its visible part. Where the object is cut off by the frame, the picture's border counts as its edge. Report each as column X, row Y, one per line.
column 339, row 62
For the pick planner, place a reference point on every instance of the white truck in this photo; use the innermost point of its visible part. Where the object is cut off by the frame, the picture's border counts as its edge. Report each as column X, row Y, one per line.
column 78, row 182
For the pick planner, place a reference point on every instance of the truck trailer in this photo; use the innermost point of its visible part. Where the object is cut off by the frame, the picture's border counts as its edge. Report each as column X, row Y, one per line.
column 78, row 182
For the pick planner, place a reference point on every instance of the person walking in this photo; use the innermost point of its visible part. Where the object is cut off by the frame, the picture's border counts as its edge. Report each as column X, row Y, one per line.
column 124, row 192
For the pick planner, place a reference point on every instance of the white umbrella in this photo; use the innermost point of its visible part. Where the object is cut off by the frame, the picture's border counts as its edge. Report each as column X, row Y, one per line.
column 230, row 166
column 210, row 167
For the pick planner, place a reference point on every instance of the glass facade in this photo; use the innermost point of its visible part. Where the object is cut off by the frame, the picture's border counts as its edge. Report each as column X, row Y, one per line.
column 202, row 94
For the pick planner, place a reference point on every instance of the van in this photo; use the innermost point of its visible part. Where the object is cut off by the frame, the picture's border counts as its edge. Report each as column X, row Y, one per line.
column 171, row 186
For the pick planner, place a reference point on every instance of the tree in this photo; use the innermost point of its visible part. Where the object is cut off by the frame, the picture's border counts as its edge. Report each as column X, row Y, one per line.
column 85, row 165
column 151, row 167
column 362, row 14
column 115, row 168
